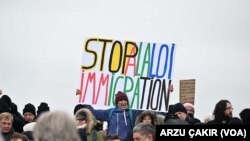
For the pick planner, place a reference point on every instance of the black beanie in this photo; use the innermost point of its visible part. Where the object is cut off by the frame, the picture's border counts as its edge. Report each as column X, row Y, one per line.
column 77, row 107
column 179, row 107
column 43, row 107
column 29, row 108
column 170, row 114
column 6, row 99
column 4, row 107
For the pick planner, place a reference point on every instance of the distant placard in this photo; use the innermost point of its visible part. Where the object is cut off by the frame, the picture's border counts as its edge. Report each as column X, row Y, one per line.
column 187, row 91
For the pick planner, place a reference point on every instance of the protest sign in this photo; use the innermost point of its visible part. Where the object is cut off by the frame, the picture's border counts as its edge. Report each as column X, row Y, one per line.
column 140, row 69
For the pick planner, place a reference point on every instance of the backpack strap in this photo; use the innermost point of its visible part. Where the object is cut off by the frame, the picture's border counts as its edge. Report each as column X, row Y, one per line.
column 131, row 118
column 110, row 114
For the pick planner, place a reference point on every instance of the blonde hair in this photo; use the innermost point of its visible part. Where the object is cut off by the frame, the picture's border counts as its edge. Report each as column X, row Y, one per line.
column 6, row 115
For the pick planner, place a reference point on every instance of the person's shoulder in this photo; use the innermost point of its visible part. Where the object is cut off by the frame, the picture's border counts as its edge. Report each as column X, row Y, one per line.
column 194, row 121
column 213, row 122
column 176, row 121
column 235, row 121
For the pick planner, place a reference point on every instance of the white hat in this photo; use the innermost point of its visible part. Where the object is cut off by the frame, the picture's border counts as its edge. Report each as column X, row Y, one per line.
column 29, row 127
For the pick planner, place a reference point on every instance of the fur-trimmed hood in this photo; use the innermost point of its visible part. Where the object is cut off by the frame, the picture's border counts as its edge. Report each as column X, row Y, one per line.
column 91, row 120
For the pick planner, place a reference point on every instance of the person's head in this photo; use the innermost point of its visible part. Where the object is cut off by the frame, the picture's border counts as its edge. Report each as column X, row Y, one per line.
column 81, row 117
column 223, row 111
column 180, row 111
column 6, row 99
column 19, row 137
column 90, row 121
column 6, row 121
column 112, row 138
column 121, row 100
column 245, row 116
column 57, row 126
column 29, row 113
column 170, row 114
column 144, row 132
column 190, row 109
column 147, row 117
column 43, row 107
column 4, row 107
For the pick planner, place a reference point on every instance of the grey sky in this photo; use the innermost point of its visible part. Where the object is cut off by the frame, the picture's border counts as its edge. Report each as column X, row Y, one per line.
column 41, row 45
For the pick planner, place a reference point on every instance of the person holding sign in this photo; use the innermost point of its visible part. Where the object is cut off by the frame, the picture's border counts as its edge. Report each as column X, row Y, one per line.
column 120, row 118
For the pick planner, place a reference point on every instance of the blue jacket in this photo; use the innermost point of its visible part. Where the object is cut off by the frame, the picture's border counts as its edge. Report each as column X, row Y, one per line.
column 119, row 123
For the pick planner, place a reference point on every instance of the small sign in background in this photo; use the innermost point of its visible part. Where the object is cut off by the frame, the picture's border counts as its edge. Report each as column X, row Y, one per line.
column 187, row 91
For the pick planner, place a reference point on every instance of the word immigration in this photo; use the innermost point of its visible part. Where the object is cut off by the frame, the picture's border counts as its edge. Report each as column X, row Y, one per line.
column 142, row 70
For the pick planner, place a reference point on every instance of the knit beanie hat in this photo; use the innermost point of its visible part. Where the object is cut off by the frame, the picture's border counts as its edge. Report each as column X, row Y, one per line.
column 4, row 107
column 6, row 99
column 179, row 107
column 30, row 108
column 77, row 107
column 43, row 107
column 171, row 113
column 120, row 96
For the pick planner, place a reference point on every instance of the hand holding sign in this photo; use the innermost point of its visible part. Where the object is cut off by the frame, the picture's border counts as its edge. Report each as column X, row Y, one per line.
column 170, row 88
column 78, row 92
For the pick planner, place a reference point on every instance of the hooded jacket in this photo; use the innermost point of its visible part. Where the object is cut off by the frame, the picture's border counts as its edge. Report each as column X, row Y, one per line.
column 119, row 122
column 92, row 134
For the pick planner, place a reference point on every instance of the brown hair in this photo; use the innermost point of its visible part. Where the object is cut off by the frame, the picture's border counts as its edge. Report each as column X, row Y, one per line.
column 17, row 136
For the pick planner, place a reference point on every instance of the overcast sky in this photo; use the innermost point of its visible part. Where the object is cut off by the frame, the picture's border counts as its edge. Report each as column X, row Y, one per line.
column 41, row 46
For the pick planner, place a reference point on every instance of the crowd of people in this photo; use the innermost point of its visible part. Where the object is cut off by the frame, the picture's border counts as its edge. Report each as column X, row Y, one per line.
column 123, row 123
